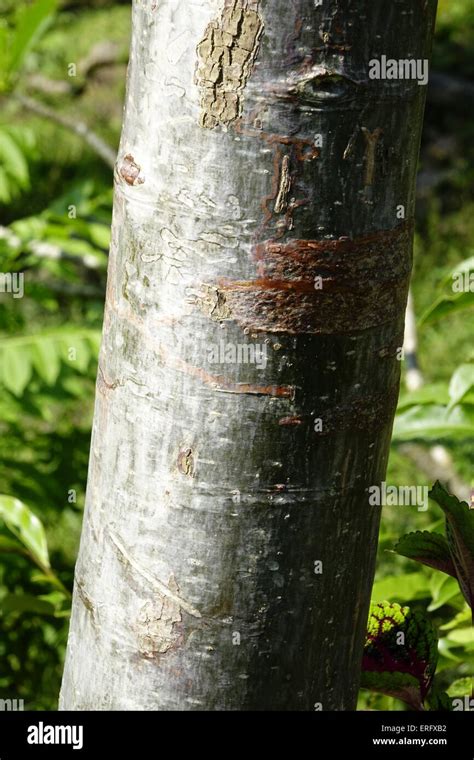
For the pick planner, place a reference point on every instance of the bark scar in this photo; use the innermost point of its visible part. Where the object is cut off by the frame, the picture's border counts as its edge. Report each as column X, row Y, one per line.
column 364, row 283
column 103, row 384
column 157, row 627
column 281, row 202
column 372, row 139
column 226, row 56
column 88, row 603
column 221, row 385
column 166, row 591
column 130, row 171
column 300, row 150
column 186, row 462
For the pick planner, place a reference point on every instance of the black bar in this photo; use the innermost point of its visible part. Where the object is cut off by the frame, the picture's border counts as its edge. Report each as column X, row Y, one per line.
column 318, row 735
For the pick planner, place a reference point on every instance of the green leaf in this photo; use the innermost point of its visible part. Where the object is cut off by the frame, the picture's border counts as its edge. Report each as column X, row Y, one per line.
column 99, row 235
column 44, row 352
column 26, row 603
column 5, row 194
column 60, row 601
column 9, row 546
column 76, row 352
column 447, row 305
column 463, row 617
column 428, row 394
column 444, row 593
column 31, row 22
column 405, row 587
column 462, row 637
column 430, row 549
column 465, row 266
column 16, row 368
column 29, row 228
column 439, row 701
column 432, row 422
column 5, row 36
column 21, row 521
column 13, row 159
column 460, row 534
column 400, row 653
column 445, row 650
column 46, row 359
column 461, row 688
column 461, row 383
column 462, row 576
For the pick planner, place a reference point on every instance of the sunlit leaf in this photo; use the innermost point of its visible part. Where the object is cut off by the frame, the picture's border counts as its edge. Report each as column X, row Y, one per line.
column 46, row 359
column 404, row 587
column 428, row 394
column 400, row 653
column 462, row 637
column 21, row 521
column 460, row 688
column 447, row 305
column 434, row 422
column 444, row 592
column 13, row 159
column 461, row 383
column 15, row 368
column 30, row 23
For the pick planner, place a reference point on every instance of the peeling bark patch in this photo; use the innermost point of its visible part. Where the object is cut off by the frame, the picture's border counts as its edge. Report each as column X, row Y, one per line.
column 324, row 286
column 157, row 627
column 186, row 462
column 213, row 303
column 226, row 56
column 130, row 171
column 104, row 385
column 281, row 202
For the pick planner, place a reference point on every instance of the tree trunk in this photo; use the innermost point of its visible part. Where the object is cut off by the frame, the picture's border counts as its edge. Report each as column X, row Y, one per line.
column 249, row 371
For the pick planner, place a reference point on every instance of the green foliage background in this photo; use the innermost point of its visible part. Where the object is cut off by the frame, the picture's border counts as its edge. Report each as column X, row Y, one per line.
column 49, row 339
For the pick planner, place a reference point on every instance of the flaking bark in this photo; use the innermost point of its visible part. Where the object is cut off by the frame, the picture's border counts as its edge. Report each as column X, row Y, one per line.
column 228, row 546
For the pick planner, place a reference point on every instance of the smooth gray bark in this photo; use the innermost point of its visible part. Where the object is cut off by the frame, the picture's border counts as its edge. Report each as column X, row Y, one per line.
column 228, row 546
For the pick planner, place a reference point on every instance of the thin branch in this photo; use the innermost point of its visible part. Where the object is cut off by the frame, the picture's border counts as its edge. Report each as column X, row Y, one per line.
column 102, row 54
column 436, row 462
column 414, row 377
column 106, row 153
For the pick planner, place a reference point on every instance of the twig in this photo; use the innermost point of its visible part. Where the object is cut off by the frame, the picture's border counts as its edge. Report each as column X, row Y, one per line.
column 414, row 377
column 436, row 462
column 102, row 54
column 78, row 127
